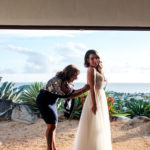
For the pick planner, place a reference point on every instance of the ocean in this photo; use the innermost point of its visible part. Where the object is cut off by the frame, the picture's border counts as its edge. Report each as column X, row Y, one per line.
column 116, row 87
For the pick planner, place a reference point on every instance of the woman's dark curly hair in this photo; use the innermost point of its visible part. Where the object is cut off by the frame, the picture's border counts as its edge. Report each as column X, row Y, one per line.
column 86, row 57
column 67, row 73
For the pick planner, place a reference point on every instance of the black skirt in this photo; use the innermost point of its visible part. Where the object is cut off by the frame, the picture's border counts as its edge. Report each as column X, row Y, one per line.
column 46, row 103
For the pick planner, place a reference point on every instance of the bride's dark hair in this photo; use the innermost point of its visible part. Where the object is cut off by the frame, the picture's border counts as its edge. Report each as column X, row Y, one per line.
column 67, row 73
column 86, row 57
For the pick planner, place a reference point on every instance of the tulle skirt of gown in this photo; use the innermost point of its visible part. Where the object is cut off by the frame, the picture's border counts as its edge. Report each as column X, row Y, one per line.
column 94, row 131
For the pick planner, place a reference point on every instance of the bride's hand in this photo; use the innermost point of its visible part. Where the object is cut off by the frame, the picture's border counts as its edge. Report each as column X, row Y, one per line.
column 94, row 109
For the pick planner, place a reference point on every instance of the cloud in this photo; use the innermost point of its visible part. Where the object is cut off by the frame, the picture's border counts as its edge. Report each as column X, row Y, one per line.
column 62, row 55
column 114, row 67
column 145, row 68
column 117, row 69
column 21, row 50
column 127, row 62
column 125, row 68
column 36, row 62
column 3, row 41
column 43, row 33
column 71, row 53
column 26, row 77
column 7, row 70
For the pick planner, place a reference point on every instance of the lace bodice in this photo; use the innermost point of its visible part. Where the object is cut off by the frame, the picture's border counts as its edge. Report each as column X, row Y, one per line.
column 99, row 79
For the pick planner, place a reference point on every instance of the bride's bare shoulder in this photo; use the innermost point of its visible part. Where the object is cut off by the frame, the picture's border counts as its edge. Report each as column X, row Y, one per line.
column 91, row 70
column 90, row 76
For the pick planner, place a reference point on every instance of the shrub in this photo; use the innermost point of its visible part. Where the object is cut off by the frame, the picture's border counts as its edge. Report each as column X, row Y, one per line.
column 138, row 107
column 29, row 95
column 111, row 107
column 78, row 105
column 9, row 92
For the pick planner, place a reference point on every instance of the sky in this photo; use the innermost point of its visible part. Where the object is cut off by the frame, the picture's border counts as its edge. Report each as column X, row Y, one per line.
column 36, row 55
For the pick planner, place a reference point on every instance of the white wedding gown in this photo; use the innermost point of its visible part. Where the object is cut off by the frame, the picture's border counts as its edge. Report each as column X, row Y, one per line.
column 94, row 131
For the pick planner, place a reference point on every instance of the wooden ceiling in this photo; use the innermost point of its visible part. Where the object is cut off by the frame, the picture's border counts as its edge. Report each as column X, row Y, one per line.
column 75, row 14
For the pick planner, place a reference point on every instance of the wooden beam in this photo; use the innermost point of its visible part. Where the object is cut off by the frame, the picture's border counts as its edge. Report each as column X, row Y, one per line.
column 43, row 27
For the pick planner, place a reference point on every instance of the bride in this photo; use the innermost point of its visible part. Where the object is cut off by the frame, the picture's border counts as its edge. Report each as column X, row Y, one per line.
column 94, row 131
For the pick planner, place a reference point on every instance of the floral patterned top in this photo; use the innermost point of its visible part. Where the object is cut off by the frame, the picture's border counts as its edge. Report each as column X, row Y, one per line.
column 54, row 86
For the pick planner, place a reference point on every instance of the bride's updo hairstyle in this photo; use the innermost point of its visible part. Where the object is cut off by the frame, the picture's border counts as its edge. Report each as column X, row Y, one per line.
column 86, row 57
column 67, row 73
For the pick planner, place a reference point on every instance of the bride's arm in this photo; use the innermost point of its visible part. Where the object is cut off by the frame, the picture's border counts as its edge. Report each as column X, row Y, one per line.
column 91, row 81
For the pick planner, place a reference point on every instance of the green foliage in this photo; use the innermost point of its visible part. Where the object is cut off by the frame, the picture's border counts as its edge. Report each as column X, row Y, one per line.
column 120, row 114
column 106, row 93
column 138, row 107
column 119, row 105
column 78, row 105
column 112, row 109
column 60, row 104
column 29, row 95
column 9, row 92
column 110, row 102
column 76, row 112
column 147, row 110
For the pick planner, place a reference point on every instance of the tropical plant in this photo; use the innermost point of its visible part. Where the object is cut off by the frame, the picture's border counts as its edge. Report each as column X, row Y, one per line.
column 110, row 103
column 138, row 107
column 60, row 104
column 82, row 97
column 9, row 92
column 111, row 107
column 147, row 110
column 119, row 105
column 76, row 112
column 29, row 95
